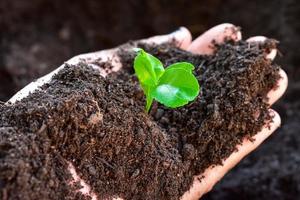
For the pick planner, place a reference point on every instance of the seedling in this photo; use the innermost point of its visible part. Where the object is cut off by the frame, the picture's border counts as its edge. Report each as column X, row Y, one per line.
column 173, row 87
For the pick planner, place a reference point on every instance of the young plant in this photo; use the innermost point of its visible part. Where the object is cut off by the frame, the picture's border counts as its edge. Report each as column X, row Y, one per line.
column 173, row 87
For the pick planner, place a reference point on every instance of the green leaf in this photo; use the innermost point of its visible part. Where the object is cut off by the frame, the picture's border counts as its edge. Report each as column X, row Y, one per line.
column 182, row 65
column 176, row 87
column 173, row 87
column 147, row 68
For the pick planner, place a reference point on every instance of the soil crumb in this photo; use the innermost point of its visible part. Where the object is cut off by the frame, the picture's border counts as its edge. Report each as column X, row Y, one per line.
column 100, row 126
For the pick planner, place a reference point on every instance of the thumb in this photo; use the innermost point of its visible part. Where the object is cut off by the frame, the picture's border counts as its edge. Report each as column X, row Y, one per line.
column 182, row 38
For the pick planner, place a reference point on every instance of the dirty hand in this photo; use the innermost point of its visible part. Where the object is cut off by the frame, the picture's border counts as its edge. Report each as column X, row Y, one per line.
column 200, row 45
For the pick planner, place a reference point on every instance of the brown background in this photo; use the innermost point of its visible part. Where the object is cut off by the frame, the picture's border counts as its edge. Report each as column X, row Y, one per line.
column 39, row 35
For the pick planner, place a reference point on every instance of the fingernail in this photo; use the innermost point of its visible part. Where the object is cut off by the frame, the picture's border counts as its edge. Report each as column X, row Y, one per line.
column 261, row 39
column 272, row 54
column 237, row 34
column 233, row 31
column 275, row 115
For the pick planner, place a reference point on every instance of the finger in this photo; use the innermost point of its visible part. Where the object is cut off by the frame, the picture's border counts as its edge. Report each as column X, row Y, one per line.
column 277, row 92
column 85, row 188
column 214, row 174
column 182, row 38
column 203, row 44
column 273, row 52
column 96, row 59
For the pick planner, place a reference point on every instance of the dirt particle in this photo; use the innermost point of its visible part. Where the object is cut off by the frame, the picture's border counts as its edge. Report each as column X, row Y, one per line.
column 100, row 126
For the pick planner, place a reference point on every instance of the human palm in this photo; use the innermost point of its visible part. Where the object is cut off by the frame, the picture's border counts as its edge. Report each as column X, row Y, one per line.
column 201, row 45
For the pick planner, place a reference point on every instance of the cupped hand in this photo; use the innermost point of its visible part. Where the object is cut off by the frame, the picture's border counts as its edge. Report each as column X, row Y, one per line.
column 201, row 45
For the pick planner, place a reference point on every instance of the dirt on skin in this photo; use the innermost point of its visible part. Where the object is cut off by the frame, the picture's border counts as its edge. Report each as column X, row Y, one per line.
column 233, row 83
column 100, row 126
column 37, row 36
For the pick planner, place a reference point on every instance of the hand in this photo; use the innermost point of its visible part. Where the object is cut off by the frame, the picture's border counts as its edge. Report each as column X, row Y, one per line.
column 200, row 45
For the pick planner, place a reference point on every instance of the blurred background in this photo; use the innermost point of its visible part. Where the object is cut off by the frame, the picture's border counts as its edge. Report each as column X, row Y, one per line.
column 37, row 36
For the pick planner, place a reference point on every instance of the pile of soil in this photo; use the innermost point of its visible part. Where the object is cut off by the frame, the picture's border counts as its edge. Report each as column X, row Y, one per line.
column 37, row 36
column 99, row 125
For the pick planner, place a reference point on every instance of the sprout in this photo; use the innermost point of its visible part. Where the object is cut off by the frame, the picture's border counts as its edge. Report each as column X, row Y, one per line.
column 173, row 87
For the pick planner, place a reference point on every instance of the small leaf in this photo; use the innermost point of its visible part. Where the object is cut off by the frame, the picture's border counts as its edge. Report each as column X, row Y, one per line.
column 176, row 87
column 173, row 87
column 147, row 68
column 182, row 65
column 158, row 66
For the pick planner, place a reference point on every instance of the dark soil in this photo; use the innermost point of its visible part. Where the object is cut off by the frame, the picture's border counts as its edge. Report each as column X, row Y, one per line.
column 37, row 36
column 100, row 126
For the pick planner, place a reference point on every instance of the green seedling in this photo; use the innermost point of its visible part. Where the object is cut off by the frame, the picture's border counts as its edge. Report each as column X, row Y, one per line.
column 173, row 86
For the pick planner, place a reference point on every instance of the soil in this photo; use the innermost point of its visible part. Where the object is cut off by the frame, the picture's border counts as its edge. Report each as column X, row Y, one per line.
column 37, row 36
column 100, row 126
